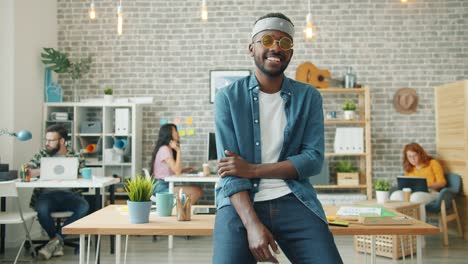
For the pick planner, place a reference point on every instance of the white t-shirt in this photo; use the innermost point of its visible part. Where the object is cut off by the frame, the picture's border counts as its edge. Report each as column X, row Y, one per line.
column 272, row 125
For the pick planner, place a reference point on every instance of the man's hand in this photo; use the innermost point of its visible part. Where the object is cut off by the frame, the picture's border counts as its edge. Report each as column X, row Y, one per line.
column 235, row 165
column 259, row 239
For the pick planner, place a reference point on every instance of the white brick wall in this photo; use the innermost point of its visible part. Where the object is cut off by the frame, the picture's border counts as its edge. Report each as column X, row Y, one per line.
column 167, row 52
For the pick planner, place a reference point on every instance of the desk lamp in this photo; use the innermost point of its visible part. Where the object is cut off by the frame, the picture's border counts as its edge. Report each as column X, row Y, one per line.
column 23, row 135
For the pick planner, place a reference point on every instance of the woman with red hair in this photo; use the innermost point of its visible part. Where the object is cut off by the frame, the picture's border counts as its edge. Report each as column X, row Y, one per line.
column 417, row 163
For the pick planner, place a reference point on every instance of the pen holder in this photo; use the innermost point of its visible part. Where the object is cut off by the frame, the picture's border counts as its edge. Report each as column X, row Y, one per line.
column 184, row 210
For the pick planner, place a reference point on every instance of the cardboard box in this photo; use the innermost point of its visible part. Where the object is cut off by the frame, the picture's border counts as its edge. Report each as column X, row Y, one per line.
column 347, row 178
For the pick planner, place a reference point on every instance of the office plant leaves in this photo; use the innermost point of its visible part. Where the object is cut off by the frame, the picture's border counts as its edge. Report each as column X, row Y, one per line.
column 55, row 60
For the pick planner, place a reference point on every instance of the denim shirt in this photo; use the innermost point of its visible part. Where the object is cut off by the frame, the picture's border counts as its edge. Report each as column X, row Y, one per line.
column 237, row 122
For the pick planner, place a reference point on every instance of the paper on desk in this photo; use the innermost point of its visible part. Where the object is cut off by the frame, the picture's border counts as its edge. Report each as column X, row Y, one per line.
column 357, row 210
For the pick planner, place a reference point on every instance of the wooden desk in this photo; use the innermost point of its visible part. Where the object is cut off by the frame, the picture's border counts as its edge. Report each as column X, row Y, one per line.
column 113, row 220
column 185, row 178
column 418, row 228
column 391, row 246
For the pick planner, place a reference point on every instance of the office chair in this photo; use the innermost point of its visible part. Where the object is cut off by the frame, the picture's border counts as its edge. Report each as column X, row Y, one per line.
column 444, row 203
column 8, row 189
column 59, row 219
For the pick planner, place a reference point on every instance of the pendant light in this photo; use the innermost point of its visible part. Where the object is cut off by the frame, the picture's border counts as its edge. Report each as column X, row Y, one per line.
column 204, row 11
column 309, row 30
column 119, row 18
column 92, row 11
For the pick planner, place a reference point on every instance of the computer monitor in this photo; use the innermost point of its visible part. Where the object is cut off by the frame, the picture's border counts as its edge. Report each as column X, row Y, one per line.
column 212, row 154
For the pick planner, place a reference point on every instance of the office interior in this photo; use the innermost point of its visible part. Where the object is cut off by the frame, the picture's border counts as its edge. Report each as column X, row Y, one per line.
column 167, row 52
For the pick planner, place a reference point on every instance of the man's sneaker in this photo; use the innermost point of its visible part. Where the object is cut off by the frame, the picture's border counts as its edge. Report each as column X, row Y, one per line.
column 58, row 251
column 46, row 251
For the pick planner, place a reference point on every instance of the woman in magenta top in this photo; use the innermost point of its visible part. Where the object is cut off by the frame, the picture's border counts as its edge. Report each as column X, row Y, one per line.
column 167, row 161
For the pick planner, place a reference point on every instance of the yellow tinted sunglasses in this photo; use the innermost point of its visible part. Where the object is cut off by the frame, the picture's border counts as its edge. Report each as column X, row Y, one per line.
column 284, row 43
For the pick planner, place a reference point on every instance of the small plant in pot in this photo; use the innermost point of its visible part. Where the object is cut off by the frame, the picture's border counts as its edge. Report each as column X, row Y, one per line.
column 349, row 107
column 139, row 190
column 346, row 174
column 382, row 188
column 108, row 95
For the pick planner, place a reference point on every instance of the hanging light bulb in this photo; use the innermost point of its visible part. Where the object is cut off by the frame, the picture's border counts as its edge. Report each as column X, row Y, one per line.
column 204, row 11
column 92, row 11
column 119, row 19
column 309, row 30
column 404, row 1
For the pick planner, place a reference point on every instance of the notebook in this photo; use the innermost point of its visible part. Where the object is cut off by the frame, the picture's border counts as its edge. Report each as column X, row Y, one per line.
column 59, row 168
column 416, row 184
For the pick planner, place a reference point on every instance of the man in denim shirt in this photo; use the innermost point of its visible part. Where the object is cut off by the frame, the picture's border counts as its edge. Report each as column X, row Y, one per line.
column 270, row 137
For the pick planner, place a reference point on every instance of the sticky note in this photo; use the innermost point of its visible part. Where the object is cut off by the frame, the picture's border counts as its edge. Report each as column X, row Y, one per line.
column 191, row 132
column 176, row 121
column 163, row 121
column 188, row 121
column 182, row 132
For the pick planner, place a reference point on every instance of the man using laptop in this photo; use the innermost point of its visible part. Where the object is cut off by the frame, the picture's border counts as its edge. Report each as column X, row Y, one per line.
column 46, row 201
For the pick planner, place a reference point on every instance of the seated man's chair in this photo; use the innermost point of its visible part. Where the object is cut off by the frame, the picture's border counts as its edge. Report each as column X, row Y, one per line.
column 8, row 189
column 59, row 219
column 446, row 202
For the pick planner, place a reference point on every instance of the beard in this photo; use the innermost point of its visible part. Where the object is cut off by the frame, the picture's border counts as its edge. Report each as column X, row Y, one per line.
column 271, row 73
column 53, row 151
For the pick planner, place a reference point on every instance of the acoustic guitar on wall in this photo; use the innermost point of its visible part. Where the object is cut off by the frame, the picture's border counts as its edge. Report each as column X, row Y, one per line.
column 308, row 73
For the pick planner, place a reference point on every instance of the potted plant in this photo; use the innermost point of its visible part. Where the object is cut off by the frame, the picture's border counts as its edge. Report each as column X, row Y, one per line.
column 346, row 174
column 349, row 107
column 60, row 63
column 108, row 95
column 382, row 188
column 139, row 190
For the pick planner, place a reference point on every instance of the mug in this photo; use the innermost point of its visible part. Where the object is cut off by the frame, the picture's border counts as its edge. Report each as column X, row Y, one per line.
column 164, row 203
column 86, row 173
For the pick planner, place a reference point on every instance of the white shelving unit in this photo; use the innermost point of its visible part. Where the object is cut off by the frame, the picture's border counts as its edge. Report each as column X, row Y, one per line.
column 102, row 117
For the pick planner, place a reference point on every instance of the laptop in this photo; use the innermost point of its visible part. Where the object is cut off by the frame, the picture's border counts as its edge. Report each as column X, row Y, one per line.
column 416, row 184
column 59, row 168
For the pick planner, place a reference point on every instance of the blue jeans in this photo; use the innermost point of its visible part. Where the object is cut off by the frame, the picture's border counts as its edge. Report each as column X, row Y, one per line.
column 161, row 186
column 58, row 201
column 301, row 235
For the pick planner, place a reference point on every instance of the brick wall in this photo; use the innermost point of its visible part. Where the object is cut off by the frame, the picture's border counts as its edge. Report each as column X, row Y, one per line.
column 167, row 52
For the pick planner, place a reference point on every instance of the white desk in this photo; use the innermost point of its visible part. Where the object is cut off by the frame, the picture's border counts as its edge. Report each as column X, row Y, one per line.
column 99, row 183
column 185, row 178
